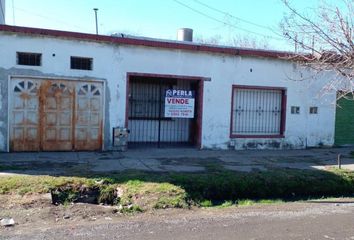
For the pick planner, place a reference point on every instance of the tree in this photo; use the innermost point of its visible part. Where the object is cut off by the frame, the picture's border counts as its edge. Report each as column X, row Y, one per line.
column 242, row 41
column 326, row 40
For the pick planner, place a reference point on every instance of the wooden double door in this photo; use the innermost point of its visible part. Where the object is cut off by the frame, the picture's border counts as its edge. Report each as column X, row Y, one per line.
column 55, row 115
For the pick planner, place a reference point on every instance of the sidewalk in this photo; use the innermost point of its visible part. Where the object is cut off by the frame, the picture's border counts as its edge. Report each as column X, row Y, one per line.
column 170, row 160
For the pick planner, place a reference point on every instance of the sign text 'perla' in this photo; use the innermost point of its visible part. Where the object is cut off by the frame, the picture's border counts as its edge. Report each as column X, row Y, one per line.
column 179, row 103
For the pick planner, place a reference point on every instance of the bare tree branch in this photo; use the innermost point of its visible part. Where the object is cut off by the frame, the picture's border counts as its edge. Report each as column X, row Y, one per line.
column 326, row 39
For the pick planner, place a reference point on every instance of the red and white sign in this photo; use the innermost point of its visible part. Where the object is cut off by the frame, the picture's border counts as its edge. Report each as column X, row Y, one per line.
column 179, row 103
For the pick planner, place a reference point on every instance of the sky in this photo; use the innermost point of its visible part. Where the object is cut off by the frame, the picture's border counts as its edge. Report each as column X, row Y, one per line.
column 223, row 19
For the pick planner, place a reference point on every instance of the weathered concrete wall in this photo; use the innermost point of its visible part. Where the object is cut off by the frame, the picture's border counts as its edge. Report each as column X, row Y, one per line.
column 113, row 62
column 2, row 11
column 301, row 131
column 55, row 64
column 3, row 111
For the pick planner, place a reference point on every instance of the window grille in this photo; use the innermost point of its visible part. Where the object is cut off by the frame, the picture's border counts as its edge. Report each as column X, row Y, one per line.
column 257, row 111
column 81, row 63
column 147, row 99
column 29, row 59
column 295, row 110
column 313, row 110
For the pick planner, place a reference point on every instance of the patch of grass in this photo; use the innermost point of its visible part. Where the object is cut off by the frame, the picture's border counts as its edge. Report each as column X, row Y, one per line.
column 206, row 203
column 250, row 202
column 153, row 195
column 246, row 202
column 226, row 204
column 270, row 201
column 131, row 209
column 38, row 184
column 218, row 187
column 108, row 194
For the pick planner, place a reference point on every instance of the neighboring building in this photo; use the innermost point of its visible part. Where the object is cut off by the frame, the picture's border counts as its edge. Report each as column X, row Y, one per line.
column 2, row 11
column 67, row 91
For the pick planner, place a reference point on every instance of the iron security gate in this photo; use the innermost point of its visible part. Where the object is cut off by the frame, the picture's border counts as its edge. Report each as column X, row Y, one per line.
column 146, row 120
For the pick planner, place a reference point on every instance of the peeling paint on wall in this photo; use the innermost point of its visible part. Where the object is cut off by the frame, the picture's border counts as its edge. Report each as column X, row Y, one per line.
column 4, row 76
column 260, row 144
column 112, row 63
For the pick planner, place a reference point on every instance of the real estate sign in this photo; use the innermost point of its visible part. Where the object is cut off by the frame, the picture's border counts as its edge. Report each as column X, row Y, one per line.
column 179, row 103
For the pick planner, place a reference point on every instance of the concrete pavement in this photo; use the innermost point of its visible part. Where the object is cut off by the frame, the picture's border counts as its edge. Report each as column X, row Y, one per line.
column 170, row 160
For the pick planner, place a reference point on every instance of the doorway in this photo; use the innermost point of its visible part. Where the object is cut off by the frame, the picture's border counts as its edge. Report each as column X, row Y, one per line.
column 147, row 120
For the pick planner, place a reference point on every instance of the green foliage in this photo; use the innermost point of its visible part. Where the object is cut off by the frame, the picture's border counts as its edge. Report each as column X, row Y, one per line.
column 107, row 195
column 206, row 203
column 131, row 209
column 180, row 190
column 227, row 204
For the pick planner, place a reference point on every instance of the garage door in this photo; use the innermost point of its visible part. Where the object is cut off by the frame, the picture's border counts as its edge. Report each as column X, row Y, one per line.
column 55, row 115
column 344, row 130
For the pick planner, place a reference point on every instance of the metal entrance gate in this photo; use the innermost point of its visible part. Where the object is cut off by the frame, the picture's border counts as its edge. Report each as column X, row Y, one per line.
column 146, row 120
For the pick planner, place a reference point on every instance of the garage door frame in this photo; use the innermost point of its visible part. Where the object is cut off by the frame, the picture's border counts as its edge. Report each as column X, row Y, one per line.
column 43, row 78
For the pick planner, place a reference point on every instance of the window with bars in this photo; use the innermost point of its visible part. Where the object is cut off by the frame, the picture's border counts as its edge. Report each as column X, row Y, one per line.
column 29, row 59
column 257, row 112
column 313, row 110
column 81, row 63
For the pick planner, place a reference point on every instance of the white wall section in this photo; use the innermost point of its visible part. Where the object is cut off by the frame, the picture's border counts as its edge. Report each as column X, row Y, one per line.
column 112, row 62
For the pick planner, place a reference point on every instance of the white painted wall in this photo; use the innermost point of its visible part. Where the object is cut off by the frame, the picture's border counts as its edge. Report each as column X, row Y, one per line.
column 112, row 62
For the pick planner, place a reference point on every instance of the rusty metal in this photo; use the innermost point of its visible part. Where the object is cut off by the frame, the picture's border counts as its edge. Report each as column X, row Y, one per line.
column 24, row 131
column 56, row 115
column 88, row 120
column 68, row 116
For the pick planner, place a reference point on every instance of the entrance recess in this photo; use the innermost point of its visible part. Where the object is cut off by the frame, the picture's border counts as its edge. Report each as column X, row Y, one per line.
column 146, row 108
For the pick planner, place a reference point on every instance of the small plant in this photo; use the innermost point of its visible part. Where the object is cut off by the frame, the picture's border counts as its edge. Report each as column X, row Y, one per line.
column 246, row 202
column 108, row 195
column 226, row 204
column 130, row 209
column 206, row 203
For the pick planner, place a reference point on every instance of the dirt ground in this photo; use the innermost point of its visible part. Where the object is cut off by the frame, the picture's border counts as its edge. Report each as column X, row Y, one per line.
column 37, row 218
column 37, row 210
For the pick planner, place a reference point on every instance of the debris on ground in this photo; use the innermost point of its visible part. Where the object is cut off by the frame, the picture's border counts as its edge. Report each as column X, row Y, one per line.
column 7, row 222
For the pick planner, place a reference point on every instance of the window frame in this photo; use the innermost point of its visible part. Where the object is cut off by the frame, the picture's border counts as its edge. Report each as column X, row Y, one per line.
column 35, row 54
column 313, row 112
column 90, row 59
column 295, row 110
column 282, row 117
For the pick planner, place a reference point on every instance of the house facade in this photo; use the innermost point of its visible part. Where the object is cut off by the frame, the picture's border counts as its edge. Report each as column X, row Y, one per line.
column 65, row 91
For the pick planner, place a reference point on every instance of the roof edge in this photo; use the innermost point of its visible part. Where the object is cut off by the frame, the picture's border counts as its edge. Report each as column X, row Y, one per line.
column 147, row 42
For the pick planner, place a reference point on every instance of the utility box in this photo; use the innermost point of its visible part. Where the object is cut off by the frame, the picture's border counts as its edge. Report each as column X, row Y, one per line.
column 120, row 138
